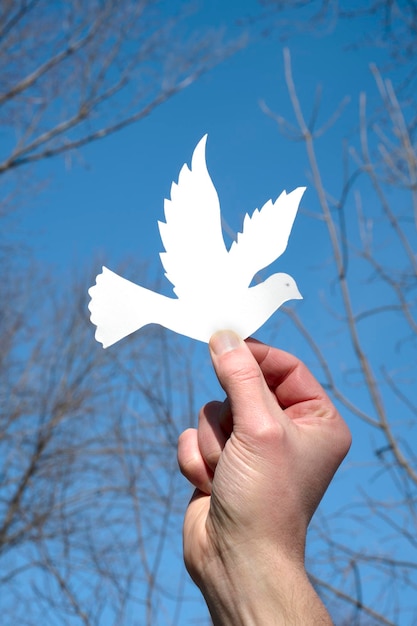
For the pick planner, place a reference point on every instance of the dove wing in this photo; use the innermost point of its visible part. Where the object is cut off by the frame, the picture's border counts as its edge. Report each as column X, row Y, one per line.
column 265, row 235
column 192, row 234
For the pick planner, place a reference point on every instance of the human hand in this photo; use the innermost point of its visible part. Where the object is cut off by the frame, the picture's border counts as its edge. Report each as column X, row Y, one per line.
column 261, row 462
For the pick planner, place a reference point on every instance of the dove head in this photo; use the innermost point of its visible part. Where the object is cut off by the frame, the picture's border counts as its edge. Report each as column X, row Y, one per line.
column 265, row 299
column 284, row 288
column 273, row 292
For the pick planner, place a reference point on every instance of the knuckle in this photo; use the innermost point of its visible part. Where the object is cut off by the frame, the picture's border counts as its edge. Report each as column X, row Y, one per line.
column 245, row 373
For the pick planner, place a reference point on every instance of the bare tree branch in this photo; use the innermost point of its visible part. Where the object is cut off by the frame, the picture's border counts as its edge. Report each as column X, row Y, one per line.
column 370, row 223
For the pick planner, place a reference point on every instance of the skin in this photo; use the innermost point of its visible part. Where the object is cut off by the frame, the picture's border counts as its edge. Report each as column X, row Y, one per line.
column 260, row 462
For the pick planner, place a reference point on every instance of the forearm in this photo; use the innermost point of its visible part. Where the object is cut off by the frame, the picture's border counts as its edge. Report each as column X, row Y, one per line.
column 265, row 594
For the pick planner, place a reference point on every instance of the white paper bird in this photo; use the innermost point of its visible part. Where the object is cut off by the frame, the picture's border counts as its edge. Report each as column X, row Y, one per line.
column 212, row 284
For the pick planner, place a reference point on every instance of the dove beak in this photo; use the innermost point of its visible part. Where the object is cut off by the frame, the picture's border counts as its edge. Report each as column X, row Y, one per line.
column 297, row 295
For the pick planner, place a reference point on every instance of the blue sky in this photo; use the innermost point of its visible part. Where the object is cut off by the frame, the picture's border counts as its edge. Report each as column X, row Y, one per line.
column 105, row 202
column 109, row 197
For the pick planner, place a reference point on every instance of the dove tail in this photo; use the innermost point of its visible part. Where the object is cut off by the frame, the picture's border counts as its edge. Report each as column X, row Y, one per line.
column 118, row 307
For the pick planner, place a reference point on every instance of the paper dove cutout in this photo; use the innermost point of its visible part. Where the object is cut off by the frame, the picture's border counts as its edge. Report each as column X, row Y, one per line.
column 212, row 284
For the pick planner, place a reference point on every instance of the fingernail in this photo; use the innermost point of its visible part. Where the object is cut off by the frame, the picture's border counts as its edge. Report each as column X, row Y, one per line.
column 224, row 341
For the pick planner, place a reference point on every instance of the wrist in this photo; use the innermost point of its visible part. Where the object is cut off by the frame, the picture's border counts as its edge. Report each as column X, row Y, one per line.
column 263, row 591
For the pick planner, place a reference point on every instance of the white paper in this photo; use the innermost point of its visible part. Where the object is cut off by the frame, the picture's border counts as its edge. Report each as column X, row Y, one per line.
column 211, row 283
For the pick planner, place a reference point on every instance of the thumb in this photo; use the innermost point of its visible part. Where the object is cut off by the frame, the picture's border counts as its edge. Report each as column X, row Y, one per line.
column 252, row 403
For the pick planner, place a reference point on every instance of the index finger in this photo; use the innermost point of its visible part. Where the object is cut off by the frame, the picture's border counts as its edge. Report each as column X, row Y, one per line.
column 287, row 376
